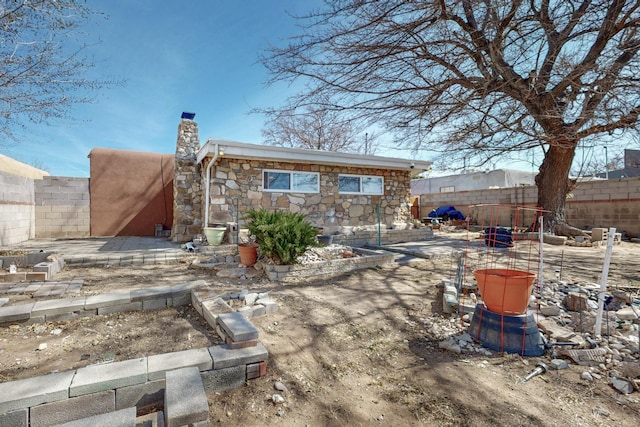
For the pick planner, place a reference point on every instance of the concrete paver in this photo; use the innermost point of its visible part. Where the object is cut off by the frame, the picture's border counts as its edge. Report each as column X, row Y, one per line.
column 185, row 401
column 34, row 391
column 224, row 357
column 158, row 364
column 95, row 378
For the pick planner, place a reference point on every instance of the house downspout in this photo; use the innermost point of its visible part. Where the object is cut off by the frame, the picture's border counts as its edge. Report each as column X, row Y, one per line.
column 208, row 185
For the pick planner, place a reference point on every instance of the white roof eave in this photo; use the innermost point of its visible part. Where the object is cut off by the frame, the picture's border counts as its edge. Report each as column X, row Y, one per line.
column 242, row 150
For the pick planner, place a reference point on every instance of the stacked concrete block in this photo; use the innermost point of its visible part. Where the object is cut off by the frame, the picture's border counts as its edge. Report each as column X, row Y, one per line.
column 224, row 378
column 63, row 411
column 49, row 268
column 16, row 313
column 34, row 391
column 157, row 365
column 152, row 298
column 212, row 308
column 122, row 418
column 72, row 308
column 237, row 331
column 599, row 234
column 94, row 378
column 112, row 394
column 224, row 357
column 111, row 303
column 256, row 370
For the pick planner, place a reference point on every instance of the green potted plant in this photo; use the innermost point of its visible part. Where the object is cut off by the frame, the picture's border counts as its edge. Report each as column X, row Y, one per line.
column 281, row 236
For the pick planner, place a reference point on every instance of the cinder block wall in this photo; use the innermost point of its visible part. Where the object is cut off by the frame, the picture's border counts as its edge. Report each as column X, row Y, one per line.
column 62, row 207
column 606, row 203
column 17, row 210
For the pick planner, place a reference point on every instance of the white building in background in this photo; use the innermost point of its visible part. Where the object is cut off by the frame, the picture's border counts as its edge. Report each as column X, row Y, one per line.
column 469, row 181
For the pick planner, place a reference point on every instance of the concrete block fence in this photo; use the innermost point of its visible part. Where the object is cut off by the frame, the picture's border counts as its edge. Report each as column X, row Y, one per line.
column 62, row 207
column 591, row 204
column 113, row 394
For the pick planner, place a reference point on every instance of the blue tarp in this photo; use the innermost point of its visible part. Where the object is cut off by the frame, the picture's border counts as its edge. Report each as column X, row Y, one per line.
column 448, row 212
column 498, row 237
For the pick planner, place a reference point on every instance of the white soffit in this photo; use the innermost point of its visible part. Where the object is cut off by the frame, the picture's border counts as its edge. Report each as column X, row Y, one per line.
column 242, row 150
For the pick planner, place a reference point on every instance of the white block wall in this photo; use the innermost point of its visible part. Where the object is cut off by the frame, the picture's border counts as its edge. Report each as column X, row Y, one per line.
column 17, row 209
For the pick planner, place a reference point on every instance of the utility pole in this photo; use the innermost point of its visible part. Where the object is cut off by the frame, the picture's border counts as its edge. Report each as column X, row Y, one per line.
column 366, row 143
column 606, row 163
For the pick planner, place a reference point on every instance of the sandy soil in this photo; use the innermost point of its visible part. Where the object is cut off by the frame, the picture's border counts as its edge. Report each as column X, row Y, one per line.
column 351, row 351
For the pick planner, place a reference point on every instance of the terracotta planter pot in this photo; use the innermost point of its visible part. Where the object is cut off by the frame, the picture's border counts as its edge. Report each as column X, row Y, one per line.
column 505, row 291
column 248, row 253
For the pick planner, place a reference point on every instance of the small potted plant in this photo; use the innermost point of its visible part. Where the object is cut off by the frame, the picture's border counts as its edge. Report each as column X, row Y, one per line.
column 248, row 250
column 281, row 236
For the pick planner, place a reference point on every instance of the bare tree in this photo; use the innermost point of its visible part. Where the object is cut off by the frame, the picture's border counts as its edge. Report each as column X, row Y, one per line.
column 314, row 127
column 43, row 68
column 477, row 79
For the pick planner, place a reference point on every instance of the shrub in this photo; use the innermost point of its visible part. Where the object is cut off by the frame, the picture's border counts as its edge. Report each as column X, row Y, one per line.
column 282, row 236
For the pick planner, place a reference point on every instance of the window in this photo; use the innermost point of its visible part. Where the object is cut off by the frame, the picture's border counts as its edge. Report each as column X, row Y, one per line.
column 301, row 182
column 450, row 189
column 357, row 184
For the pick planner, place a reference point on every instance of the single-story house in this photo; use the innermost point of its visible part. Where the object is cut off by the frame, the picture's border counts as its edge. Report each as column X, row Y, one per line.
column 335, row 190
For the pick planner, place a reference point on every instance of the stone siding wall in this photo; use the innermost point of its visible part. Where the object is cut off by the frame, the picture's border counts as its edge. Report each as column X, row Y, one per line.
column 187, row 185
column 601, row 204
column 236, row 186
column 17, row 209
column 62, row 207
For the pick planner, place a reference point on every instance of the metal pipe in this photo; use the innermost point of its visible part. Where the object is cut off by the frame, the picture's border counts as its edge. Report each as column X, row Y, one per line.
column 540, row 368
column 208, row 184
column 379, row 236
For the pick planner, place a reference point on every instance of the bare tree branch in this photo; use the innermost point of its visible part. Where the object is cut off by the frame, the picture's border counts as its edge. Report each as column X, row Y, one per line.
column 43, row 65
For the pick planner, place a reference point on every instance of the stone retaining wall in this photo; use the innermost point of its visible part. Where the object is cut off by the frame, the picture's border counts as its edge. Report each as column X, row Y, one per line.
column 328, row 269
column 361, row 238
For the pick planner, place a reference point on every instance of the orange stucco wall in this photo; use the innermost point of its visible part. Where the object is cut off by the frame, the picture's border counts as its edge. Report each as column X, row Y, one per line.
column 131, row 191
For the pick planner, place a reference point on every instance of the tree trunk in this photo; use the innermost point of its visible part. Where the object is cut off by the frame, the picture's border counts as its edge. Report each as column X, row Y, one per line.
column 553, row 186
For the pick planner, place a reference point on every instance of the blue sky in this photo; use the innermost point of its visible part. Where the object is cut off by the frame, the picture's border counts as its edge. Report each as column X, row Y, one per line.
column 196, row 55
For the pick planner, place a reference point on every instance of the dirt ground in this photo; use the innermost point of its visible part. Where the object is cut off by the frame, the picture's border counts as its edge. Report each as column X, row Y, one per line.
column 353, row 351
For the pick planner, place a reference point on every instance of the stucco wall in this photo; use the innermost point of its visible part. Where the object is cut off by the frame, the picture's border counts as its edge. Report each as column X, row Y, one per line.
column 131, row 191
column 606, row 203
column 62, row 207
column 239, row 183
column 17, row 209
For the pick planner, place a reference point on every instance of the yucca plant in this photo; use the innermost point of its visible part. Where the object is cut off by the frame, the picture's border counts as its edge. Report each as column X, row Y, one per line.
column 282, row 236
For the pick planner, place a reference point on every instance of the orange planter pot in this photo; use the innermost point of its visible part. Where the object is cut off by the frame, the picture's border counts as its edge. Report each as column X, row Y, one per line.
column 248, row 254
column 505, row 291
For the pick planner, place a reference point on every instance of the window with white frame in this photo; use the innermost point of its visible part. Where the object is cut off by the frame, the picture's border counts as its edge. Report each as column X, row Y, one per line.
column 290, row 181
column 448, row 189
column 360, row 184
